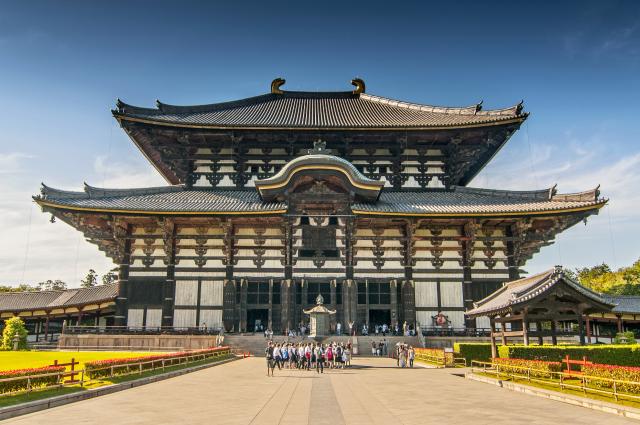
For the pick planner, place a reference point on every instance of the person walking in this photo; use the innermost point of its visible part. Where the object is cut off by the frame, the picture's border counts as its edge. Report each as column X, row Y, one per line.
column 319, row 359
column 412, row 355
column 269, row 356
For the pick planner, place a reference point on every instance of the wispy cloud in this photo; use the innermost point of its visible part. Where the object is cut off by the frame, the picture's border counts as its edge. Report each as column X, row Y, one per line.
column 12, row 162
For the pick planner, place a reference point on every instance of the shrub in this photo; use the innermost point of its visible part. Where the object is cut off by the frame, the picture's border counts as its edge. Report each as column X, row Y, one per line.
column 13, row 327
column 102, row 368
column 473, row 351
column 23, row 384
column 625, row 338
column 622, row 373
column 538, row 368
column 620, row 355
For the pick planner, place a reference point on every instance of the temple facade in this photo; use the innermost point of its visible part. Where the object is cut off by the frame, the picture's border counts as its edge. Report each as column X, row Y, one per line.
column 276, row 199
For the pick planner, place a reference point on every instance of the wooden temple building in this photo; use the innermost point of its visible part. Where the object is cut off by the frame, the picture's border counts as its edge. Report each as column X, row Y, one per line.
column 276, row 199
column 535, row 306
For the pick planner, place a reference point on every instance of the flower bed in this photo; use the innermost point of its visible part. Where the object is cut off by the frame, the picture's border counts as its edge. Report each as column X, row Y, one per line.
column 28, row 382
column 436, row 355
column 123, row 366
column 538, row 368
column 622, row 373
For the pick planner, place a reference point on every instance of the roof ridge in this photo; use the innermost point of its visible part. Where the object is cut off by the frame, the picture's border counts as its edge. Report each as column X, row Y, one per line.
column 166, row 108
column 544, row 194
column 100, row 192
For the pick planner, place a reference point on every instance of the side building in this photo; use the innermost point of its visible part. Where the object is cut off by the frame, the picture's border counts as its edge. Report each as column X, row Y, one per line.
column 275, row 199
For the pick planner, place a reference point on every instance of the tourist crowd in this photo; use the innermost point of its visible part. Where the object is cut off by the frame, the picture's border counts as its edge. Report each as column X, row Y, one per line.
column 307, row 356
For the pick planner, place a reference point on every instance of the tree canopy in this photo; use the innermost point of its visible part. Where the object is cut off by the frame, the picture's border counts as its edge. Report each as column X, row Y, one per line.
column 601, row 278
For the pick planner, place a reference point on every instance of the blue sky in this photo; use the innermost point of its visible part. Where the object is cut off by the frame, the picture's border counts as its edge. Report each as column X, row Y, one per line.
column 63, row 64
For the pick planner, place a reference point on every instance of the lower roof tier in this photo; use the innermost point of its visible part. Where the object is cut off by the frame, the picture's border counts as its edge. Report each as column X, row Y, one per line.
column 457, row 201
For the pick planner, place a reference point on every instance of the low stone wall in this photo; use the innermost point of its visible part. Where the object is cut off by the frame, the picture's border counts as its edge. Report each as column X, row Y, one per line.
column 143, row 342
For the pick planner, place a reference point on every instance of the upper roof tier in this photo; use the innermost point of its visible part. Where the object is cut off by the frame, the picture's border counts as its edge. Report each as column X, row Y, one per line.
column 318, row 110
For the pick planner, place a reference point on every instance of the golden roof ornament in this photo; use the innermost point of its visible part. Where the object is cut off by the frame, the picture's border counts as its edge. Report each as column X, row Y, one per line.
column 319, row 299
column 275, row 85
column 360, row 87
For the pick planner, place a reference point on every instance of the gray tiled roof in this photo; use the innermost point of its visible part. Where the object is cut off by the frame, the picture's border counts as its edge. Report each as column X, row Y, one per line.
column 466, row 200
column 521, row 290
column 319, row 110
column 624, row 303
column 459, row 200
column 47, row 300
column 166, row 199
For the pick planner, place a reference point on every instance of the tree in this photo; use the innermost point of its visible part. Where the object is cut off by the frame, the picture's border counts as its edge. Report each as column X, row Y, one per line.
column 13, row 327
column 110, row 277
column 52, row 285
column 90, row 280
column 600, row 278
column 23, row 287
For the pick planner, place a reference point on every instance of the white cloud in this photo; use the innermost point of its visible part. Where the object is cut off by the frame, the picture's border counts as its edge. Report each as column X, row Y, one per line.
column 121, row 174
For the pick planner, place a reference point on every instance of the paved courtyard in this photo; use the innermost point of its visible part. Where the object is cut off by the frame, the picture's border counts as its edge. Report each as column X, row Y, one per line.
column 372, row 392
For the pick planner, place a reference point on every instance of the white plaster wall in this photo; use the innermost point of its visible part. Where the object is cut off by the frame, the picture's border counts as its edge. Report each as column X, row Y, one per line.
column 426, row 294
column 212, row 318
column 134, row 317
column 154, row 318
column 186, row 292
column 451, row 294
column 184, row 318
column 211, row 293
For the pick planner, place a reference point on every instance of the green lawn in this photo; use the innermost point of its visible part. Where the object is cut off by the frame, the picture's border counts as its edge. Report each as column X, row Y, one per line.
column 53, row 392
column 10, row 360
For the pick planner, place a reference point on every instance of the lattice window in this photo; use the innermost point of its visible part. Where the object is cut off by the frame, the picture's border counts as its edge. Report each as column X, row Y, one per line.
column 258, row 293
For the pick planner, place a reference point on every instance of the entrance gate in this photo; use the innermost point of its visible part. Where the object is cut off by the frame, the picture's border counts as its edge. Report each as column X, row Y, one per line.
column 257, row 317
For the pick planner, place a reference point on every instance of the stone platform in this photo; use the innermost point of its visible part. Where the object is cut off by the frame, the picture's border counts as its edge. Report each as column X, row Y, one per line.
column 372, row 392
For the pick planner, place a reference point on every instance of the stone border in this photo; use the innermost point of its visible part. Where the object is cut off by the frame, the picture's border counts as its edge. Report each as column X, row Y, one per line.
column 602, row 406
column 48, row 403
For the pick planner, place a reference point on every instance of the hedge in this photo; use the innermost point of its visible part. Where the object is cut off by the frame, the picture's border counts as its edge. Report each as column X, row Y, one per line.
column 620, row 355
column 23, row 384
column 123, row 366
column 537, row 368
column 473, row 351
column 621, row 373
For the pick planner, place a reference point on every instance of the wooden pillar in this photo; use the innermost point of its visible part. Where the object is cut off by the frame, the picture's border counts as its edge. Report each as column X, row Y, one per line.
column 333, row 318
column 581, row 328
column 122, row 300
column 243, row 305
column 620, row 325
column 270, row 311
column 525, row 330
column 46, row 327
column 539, row 330
column 503, row 328
column 588, row 323
column 494, row 348
column 554, row 332
column 393, row 287
column 38, row 324
column 79, row 322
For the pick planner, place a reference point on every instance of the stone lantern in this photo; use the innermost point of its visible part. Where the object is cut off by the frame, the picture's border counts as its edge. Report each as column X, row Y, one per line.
column 319, row 318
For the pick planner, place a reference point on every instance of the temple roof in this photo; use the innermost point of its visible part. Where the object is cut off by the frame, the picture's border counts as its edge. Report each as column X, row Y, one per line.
column 518, row 292
column 318, row 110
column 49, row 300
column 629, row 304
column 459, row 201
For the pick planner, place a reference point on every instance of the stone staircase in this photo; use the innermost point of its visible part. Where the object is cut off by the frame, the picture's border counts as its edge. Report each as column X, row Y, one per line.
column 255, row 344
column 364, row 342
